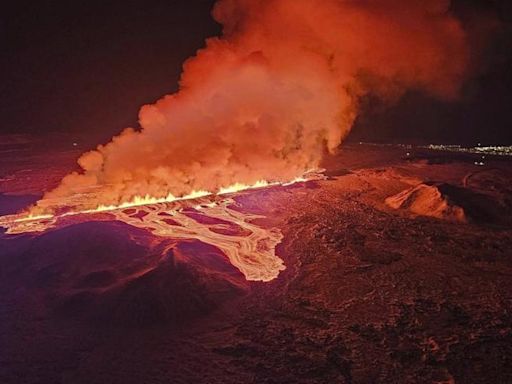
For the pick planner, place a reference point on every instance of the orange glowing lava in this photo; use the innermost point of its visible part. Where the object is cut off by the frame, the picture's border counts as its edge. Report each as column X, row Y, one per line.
column 201, row 215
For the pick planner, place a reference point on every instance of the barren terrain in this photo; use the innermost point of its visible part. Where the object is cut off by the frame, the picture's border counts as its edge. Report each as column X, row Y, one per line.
column 398, row 269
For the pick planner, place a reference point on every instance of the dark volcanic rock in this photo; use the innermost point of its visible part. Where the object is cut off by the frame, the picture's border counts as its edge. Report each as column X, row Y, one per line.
column 171, row 292
column 115, row 273
column 369, row 294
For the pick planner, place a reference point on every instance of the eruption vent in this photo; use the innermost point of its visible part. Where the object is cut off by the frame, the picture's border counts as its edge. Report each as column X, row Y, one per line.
column 267, row 98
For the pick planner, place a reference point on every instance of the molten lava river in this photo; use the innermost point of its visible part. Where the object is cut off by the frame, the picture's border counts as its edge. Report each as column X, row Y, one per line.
column 214, row 219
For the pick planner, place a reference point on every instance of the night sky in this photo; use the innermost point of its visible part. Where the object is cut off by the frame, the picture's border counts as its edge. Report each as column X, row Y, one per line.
column 85, row 68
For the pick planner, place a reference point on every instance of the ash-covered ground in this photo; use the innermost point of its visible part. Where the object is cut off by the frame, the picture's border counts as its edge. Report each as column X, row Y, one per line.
column 398, row 270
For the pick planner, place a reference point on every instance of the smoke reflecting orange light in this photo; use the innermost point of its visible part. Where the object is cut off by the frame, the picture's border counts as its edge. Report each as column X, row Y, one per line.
column 260, row 105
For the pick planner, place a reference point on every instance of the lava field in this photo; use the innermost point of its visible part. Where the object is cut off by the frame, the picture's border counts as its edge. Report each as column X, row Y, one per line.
column 395, row 268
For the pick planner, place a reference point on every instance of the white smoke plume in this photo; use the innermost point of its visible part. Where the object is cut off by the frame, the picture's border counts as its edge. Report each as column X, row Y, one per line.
column 267, row 98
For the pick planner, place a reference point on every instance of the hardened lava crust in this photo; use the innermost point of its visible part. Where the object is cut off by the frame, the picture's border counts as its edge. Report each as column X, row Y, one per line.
column 395, row 268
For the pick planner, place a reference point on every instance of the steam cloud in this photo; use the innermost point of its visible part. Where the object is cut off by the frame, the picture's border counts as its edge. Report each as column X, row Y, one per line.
column 268, row 97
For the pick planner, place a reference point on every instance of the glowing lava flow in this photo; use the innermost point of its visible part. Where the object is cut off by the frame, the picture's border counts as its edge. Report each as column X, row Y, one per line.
column 201, row 215
column 248, row 247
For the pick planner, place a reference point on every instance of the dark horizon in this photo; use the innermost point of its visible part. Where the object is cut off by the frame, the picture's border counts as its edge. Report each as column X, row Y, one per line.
column 85, row 70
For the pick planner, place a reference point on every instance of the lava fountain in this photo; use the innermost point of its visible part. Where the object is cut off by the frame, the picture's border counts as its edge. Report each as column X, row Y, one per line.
column 269, row 97
column 204, row 216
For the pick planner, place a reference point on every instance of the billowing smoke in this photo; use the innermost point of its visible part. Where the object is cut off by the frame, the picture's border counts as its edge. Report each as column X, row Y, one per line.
column 273, row 93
